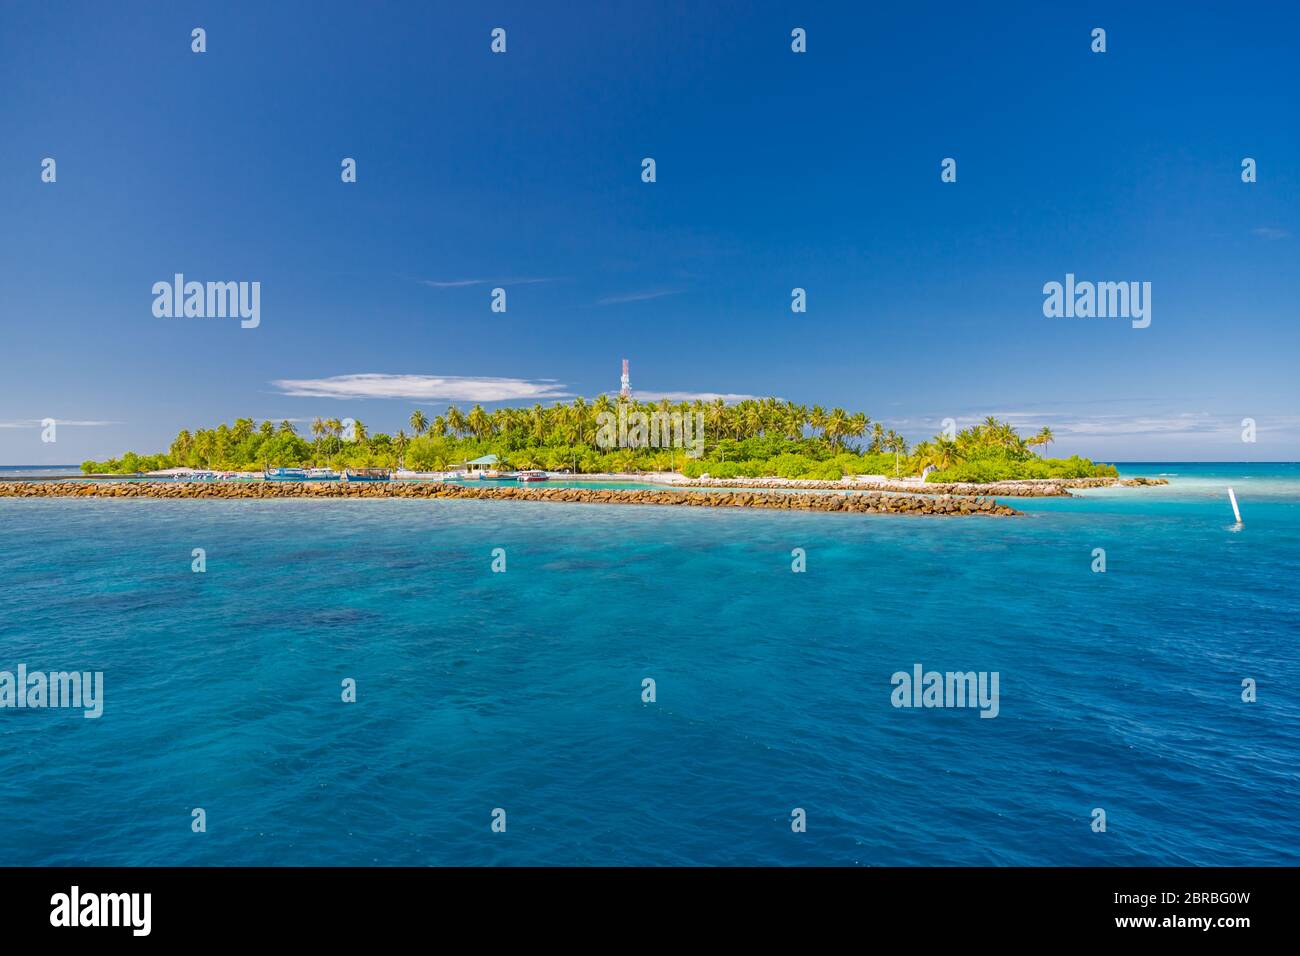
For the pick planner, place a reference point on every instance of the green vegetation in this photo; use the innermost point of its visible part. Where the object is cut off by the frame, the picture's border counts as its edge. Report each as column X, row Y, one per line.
column 753, row 438
column 992, row 451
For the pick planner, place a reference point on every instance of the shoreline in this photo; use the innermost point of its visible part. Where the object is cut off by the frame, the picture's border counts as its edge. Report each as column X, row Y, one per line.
column 1011, row 488
column 862, row 503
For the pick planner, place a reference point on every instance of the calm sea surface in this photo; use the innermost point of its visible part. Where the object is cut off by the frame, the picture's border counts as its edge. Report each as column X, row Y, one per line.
column 478, row 690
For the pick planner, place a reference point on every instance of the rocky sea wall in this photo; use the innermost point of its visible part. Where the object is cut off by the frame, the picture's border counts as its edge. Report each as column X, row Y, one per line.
column 865, row 502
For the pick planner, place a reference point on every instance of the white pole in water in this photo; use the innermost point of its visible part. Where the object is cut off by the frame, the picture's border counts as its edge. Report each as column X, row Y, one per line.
column 1235, row 511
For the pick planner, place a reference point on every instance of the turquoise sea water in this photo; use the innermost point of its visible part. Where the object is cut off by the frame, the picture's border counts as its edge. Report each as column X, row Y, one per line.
column 522, row 690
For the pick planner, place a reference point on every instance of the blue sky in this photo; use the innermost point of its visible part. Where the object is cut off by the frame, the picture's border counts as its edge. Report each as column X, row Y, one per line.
column 775, row 170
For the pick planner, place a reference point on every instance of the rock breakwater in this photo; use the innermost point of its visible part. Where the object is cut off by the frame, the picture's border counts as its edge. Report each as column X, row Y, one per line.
column 866, row 502
column 1025, row 488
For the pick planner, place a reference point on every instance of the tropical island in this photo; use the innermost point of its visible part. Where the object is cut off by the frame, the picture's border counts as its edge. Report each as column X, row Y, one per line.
column 754, row 438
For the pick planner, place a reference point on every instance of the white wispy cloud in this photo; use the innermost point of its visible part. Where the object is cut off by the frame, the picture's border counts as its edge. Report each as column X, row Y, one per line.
column 426, row 388
column 728, row 397
column 461, row 283
column 1076, row 425
column 38, row 423
column 1270, row 232
column 637, row 296
column 1189, row 424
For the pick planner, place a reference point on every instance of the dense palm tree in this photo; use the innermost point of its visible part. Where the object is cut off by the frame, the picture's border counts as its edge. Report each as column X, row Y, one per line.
column 836, row 426
column 817, row 419
column 183, row 446
column 480, row 426
column 857, row 425
column 456, row 421
column 562, row 436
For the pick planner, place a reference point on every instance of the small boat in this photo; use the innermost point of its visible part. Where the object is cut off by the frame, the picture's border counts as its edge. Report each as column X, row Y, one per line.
column 533, row 476
column 322, row 474
column 285, row 474
column 367, row 474
column 491, row 474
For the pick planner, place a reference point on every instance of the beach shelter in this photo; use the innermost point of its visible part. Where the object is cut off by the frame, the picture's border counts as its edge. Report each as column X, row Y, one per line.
column 486, row 463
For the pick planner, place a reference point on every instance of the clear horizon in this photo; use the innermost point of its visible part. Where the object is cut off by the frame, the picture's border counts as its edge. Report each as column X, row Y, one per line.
column 774, row 171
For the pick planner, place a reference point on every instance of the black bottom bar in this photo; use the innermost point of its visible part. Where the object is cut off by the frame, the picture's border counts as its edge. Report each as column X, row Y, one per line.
column 334, row 905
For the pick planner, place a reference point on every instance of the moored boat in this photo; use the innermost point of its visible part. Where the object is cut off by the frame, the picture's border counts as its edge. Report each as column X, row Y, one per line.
column 322, row 474
column 533, row 476
column 367, row 474
column 285, row 474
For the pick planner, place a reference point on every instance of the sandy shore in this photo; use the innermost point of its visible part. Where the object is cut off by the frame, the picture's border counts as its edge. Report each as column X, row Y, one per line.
column 866, row 502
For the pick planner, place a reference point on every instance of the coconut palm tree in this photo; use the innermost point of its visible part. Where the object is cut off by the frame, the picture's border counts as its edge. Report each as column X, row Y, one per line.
column 456, row 421
column 286, row 428
column 715, row 416
column 857, row 425
column 419, row 424
column 334, row 429
column 836, row 426
column 877, row 445
column 181, row 447
column 580, row 418
column 1044, row 438
column 817, row 419
column 480, row 425
column 537, row 423
column 318, row 430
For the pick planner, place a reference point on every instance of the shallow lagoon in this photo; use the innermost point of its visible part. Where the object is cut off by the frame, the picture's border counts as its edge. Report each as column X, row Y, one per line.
column 523, row 690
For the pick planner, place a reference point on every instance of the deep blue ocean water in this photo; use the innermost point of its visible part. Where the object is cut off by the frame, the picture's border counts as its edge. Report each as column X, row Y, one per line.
column 522, row 690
